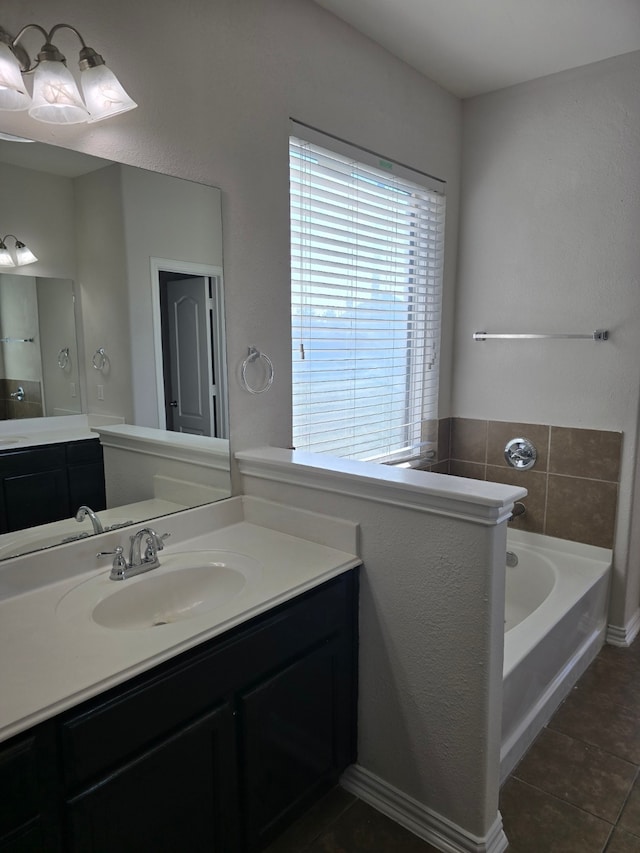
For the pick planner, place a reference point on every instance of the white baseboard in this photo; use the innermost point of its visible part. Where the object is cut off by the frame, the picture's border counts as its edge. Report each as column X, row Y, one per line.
column 418, row 818
column 623, row 637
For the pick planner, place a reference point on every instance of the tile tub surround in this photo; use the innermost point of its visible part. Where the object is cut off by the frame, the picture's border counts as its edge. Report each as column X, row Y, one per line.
column 30, row 407
column 573, row 487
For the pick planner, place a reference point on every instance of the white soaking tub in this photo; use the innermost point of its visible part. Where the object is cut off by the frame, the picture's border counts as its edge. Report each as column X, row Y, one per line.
column 555, row 620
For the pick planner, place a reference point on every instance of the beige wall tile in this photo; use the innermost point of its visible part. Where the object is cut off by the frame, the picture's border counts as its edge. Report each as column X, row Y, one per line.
column 581, row 510
column 472, row 470
column 590, row 453
column 444, row 439
column 469, row 440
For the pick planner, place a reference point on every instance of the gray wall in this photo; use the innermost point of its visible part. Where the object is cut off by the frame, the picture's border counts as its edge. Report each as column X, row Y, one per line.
column 217, row 111
column 549, row 243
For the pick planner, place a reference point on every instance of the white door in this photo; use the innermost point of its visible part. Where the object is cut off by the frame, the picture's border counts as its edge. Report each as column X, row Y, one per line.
column 189, row 388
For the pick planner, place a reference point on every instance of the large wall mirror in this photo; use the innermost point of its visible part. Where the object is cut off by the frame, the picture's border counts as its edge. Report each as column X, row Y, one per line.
column 118, row 326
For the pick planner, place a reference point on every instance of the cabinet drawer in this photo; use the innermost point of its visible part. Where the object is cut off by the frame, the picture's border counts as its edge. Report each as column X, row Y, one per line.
column 106, row 733
column 18, row 784
column 88, row 450
column 292, row 629
column 35, row 459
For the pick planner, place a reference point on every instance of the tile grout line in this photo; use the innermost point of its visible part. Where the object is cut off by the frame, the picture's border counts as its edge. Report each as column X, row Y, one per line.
column 565, row 802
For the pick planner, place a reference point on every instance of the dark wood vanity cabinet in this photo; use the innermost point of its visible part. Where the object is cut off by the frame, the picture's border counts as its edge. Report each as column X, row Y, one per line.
column 216, row 750
column 28, row 785
column 48, row 483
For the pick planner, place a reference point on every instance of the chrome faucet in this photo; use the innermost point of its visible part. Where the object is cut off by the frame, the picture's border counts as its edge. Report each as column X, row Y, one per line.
column 148, row 560
column 139, row 561
column 85, row 511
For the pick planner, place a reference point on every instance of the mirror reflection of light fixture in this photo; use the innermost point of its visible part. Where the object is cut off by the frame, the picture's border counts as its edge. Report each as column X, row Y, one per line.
column 56, row 98
column 21, row 256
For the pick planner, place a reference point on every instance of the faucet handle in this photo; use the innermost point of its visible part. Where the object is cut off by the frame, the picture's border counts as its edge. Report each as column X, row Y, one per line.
column 154, row 543
column 119, row 566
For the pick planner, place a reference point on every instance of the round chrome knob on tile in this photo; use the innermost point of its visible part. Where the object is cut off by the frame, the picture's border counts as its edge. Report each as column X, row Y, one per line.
column 520, row 453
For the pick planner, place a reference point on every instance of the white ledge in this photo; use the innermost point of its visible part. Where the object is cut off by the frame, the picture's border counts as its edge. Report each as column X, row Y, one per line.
column 438, row 494
column 199, row 450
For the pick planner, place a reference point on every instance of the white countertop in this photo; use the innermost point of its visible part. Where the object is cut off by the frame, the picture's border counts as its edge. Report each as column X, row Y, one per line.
column 19, row 439
column 53, row 658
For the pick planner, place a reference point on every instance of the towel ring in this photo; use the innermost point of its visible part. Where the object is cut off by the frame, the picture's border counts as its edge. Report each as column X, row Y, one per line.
column 99, row 359
column 63, row 358
column 254, row 355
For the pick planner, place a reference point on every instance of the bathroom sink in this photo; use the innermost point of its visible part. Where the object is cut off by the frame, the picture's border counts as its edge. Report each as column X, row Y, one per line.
column 185, row 586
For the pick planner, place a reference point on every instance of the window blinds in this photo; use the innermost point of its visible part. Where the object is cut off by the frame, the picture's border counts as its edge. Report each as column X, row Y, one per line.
column 366, row 269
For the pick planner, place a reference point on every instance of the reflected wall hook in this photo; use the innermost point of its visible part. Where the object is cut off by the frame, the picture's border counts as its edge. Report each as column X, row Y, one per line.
column 255, row 355
column 99, row 359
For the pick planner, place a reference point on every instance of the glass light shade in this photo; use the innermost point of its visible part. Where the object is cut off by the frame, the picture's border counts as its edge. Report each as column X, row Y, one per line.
column 103, row 93
column 5, row 258
column 56, row 99
column 13, row 92
column 24, row 255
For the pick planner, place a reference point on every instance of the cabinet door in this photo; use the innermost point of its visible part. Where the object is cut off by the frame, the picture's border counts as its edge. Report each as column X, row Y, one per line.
column 36, row 498
column 177, row 796
column 294, row 739
column 29, row 840
column 28, row 811
column 86, row 475
column 34, row 487
column 86, row 486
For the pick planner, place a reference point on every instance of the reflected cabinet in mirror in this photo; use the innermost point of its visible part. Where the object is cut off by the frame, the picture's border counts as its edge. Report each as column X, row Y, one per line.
column 112, row 352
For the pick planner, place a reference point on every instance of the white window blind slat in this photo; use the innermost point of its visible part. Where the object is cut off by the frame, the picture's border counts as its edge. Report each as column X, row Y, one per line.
column 366, row 291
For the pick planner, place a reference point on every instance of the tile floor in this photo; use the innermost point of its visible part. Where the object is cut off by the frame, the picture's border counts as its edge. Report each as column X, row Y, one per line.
column 577, row 790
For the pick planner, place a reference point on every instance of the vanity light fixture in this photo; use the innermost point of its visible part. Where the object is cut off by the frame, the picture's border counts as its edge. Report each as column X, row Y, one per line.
column 21, row 256
column 56, row 98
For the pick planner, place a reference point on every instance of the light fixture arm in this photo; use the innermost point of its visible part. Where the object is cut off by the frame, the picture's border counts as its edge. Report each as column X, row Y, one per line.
column 88, row 56
column 56, row 98
column 20, row 52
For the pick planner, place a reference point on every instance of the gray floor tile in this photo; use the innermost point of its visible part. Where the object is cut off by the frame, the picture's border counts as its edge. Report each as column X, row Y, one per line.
column 537, row 822
column 623, row 842
column 313, row 823
column 578, row 773
column 362, row 829
column 588, row 716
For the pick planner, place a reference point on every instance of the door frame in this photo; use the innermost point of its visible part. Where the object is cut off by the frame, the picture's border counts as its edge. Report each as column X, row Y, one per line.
column 219, row 354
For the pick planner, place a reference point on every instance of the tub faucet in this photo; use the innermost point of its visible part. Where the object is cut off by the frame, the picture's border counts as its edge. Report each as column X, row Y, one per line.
column 85, row 511
column 518, row 509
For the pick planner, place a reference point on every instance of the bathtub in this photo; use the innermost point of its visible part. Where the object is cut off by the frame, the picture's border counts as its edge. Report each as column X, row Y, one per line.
column 555, row 620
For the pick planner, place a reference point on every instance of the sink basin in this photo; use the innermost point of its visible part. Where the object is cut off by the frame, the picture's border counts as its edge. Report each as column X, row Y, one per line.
column 186, row 586
column 11, row 439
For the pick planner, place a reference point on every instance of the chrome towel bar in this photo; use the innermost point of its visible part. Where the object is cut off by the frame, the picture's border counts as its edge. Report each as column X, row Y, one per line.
column 597, row 335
